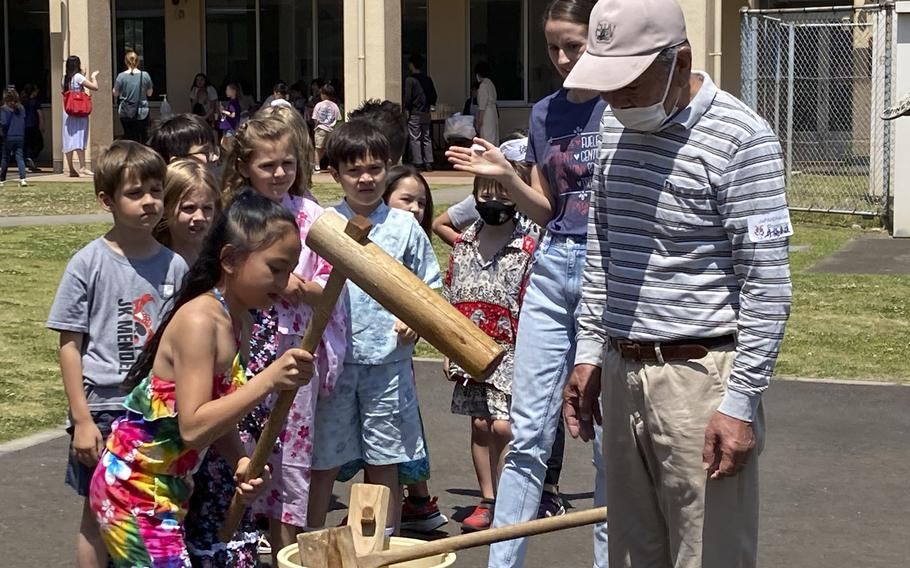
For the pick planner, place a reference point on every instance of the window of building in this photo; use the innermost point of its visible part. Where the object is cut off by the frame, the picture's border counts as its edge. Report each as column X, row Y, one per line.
column 26, row 49
column 139, row 26
column 286, row 42
column 497, row 37
column 515, row 48
column 543, row 78
column 231, row 44
column 330, row 44
column 413, row 32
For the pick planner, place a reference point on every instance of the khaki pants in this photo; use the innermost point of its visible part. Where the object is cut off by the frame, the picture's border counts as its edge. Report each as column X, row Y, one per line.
column 664, row 512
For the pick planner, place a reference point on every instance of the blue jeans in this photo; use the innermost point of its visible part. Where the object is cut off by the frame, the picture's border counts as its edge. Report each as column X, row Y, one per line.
column 13, row 146
column 544, row 356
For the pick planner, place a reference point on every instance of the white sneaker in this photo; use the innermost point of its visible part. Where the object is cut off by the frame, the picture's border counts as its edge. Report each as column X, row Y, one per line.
column 23, row 183
column 2, row 183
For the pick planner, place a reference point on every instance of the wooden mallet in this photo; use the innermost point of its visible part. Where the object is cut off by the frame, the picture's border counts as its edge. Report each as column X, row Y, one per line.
column 334, row 548
column 353, row 257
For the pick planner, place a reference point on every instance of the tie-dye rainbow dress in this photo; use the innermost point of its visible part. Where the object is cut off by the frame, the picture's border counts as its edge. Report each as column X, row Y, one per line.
column 141, row 487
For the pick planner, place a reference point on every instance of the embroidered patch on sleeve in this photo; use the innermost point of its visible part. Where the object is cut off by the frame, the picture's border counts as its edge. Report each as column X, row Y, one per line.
column 769, row 227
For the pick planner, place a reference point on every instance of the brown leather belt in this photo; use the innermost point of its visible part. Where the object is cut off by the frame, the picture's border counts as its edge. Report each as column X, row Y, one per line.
column 683, row 350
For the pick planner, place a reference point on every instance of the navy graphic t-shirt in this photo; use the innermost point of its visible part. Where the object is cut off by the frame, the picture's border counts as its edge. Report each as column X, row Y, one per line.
column 563, row 143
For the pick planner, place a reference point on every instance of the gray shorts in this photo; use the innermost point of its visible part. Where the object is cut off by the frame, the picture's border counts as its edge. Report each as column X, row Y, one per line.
column 371, row 415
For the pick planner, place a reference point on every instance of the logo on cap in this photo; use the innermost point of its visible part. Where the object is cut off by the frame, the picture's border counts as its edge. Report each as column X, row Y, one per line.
column 604, row 32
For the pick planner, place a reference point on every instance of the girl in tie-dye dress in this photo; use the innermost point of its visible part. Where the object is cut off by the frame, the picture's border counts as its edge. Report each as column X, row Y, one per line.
column 190, row 388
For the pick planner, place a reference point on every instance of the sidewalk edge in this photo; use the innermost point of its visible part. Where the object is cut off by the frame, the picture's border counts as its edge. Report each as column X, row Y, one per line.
column 35, row 439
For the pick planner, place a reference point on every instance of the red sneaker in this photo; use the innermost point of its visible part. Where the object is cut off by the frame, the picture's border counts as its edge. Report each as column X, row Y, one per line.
column 480, row 519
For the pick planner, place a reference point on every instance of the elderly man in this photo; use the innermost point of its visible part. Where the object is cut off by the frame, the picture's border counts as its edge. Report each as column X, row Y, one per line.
column 685, row 297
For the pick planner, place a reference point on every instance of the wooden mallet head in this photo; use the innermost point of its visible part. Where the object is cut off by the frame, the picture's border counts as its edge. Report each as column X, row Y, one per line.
column 405, row 295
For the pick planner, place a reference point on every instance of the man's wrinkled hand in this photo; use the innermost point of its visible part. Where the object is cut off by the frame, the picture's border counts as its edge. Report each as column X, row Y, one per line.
column 581, row 398
column 728, row 445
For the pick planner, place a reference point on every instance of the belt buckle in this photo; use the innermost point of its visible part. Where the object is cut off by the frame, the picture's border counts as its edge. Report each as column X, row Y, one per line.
column 630, row 347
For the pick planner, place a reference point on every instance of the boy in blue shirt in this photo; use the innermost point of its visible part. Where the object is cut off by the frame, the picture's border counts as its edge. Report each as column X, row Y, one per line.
column 372, row 414
column 110, row 301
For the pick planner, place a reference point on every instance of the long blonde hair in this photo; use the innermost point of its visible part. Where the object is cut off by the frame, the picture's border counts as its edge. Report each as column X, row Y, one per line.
column 295, row 121
column 183, row 176
column 261, row 129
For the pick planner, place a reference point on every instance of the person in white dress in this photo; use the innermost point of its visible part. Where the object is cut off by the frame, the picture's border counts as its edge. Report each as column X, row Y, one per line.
column 75, row 128
column 487, row 117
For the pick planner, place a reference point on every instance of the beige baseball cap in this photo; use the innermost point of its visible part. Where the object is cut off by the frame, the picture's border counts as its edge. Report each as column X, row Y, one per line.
column 624, row 39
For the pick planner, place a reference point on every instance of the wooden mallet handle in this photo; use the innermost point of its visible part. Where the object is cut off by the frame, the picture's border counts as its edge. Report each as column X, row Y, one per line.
column 358, row 229
column 489, row 536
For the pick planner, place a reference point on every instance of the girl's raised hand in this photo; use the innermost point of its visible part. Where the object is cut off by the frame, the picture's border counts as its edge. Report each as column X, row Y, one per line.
column 296, row 292
column 489, row 163
column 292, row 370
column 249, row 489
column 405, row 333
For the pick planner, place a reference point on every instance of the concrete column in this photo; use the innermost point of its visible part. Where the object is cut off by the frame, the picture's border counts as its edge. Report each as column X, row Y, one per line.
column 901, row 138
column 183, row 25
column 83, row 28
column 713, row 27
column 372, row 51
column 699, row 16
column 57, row 39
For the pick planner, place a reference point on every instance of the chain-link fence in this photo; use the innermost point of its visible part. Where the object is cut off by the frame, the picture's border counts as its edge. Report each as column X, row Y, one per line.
column 821, row 78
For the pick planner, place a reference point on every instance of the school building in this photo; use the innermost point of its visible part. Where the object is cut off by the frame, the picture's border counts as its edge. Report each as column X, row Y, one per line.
column 360, row 45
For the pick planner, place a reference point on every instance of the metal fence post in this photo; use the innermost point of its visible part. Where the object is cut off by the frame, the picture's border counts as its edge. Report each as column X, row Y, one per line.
column 777, row 79
column 749, row 46
column 791, row 78
column 887, row 150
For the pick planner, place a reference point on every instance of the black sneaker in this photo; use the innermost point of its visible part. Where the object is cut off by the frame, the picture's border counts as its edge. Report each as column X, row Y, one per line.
column 421, row 518
column 551, row 505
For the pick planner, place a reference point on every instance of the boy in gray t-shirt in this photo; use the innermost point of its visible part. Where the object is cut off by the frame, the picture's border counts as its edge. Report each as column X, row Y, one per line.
column 112, row 296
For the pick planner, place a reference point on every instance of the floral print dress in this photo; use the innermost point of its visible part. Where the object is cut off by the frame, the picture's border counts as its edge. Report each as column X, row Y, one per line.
column 214, row 480
column 287, row 496
column 490, row 294
column 141, row 488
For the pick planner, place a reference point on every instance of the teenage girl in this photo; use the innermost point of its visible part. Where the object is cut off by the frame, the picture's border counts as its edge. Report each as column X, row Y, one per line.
column 195, row 363
column 75, row 128
column 191, row 203
column 272, row 156
column 563, row 140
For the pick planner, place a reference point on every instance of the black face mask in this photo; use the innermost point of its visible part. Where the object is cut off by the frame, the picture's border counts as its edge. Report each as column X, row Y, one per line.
column 495, row 212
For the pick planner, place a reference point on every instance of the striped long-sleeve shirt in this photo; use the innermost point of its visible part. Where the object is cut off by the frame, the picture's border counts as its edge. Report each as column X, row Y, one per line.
column 687, row 238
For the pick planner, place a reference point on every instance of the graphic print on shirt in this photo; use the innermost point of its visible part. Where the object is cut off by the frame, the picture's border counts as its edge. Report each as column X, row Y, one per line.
column 134, row 328
column 571, row 162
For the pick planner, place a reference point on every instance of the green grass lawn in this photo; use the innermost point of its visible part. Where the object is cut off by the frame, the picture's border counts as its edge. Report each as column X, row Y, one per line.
column 827, row 192
column 843, row 326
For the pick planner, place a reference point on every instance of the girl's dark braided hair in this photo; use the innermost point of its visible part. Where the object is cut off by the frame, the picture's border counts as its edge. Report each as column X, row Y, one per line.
column 251, row 222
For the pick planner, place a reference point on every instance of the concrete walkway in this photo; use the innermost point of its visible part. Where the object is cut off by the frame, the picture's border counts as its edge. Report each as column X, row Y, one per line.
column 436, row 177
column 441, row 197
column 34, row 220
column 834, row 481
column 871, row 253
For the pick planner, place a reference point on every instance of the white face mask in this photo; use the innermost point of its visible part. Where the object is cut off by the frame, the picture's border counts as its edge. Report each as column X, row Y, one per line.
column 649, row 118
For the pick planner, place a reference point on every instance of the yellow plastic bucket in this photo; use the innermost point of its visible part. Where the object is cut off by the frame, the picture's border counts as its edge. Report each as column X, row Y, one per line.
column 288, row 557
